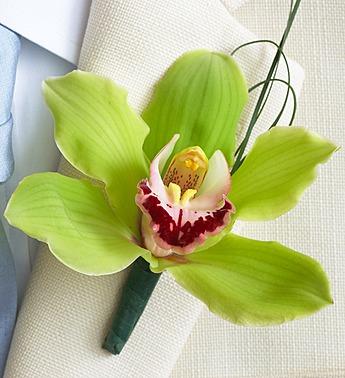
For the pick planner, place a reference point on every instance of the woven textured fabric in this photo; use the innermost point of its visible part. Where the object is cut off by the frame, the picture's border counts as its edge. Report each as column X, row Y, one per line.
column 313, row 347
column 232, row 5
column 65, row 315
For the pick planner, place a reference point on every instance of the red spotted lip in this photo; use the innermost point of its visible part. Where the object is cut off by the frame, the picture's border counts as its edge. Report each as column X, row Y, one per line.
column 179, row 229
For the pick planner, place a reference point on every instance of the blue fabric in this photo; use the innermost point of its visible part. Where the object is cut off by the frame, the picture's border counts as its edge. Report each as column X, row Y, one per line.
column 9, row 51
column 8, row 298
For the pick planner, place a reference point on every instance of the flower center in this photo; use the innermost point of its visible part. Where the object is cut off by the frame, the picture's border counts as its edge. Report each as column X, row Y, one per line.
column 185, row 174
column 173, row 221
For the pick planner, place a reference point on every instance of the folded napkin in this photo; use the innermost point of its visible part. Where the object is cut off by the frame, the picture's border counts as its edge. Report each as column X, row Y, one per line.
column 232, row 5
column 65, row 315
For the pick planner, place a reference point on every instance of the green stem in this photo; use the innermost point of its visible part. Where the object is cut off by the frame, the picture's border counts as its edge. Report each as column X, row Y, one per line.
column 257, row 110
column 135, row 295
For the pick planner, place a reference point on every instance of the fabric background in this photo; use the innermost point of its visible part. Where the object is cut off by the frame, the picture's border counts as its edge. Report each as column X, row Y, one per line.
column 58, row 329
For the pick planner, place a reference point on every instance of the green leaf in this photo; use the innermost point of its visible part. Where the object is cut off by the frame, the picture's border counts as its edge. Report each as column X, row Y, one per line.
column 253, row 282
column 98, row 133
column 200, row 97
column 74, row 219
column 279, row 167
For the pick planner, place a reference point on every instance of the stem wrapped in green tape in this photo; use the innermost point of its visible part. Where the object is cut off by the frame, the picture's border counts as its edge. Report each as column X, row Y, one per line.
column 135, row 295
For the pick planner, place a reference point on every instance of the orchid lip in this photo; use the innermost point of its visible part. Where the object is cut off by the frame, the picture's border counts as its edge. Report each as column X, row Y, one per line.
column 169, row 229
column 176, row 217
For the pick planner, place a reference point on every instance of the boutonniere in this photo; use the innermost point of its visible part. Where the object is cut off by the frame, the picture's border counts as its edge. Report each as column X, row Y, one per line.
column 162, row 192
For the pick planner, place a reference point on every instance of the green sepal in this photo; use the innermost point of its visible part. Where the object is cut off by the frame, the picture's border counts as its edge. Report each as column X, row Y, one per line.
column 74, row 218
column 279, row 167
column 201, row 97
column 252, row 282
column 100, row 135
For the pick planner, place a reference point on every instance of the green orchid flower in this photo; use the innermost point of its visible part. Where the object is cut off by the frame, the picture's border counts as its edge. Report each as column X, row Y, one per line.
column 177, row 211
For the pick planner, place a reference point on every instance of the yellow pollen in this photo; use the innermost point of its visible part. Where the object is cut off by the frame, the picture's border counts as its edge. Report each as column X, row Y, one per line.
column 187, row 170
column 187, row 196
column 174, row 192
column 191, row 164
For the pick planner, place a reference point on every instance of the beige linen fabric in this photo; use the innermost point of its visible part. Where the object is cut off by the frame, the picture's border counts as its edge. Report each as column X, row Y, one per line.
column 65, row 315
column 314, row 347
column 232, row 5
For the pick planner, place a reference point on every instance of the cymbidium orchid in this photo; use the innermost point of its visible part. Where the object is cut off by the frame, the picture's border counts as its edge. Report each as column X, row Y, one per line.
column 176, row 212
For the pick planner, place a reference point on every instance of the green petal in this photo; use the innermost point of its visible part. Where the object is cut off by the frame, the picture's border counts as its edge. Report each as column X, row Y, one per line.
column 100, row 135
column 252, row 282
column 279, row 167
column 74, row 219
column 200, row 97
